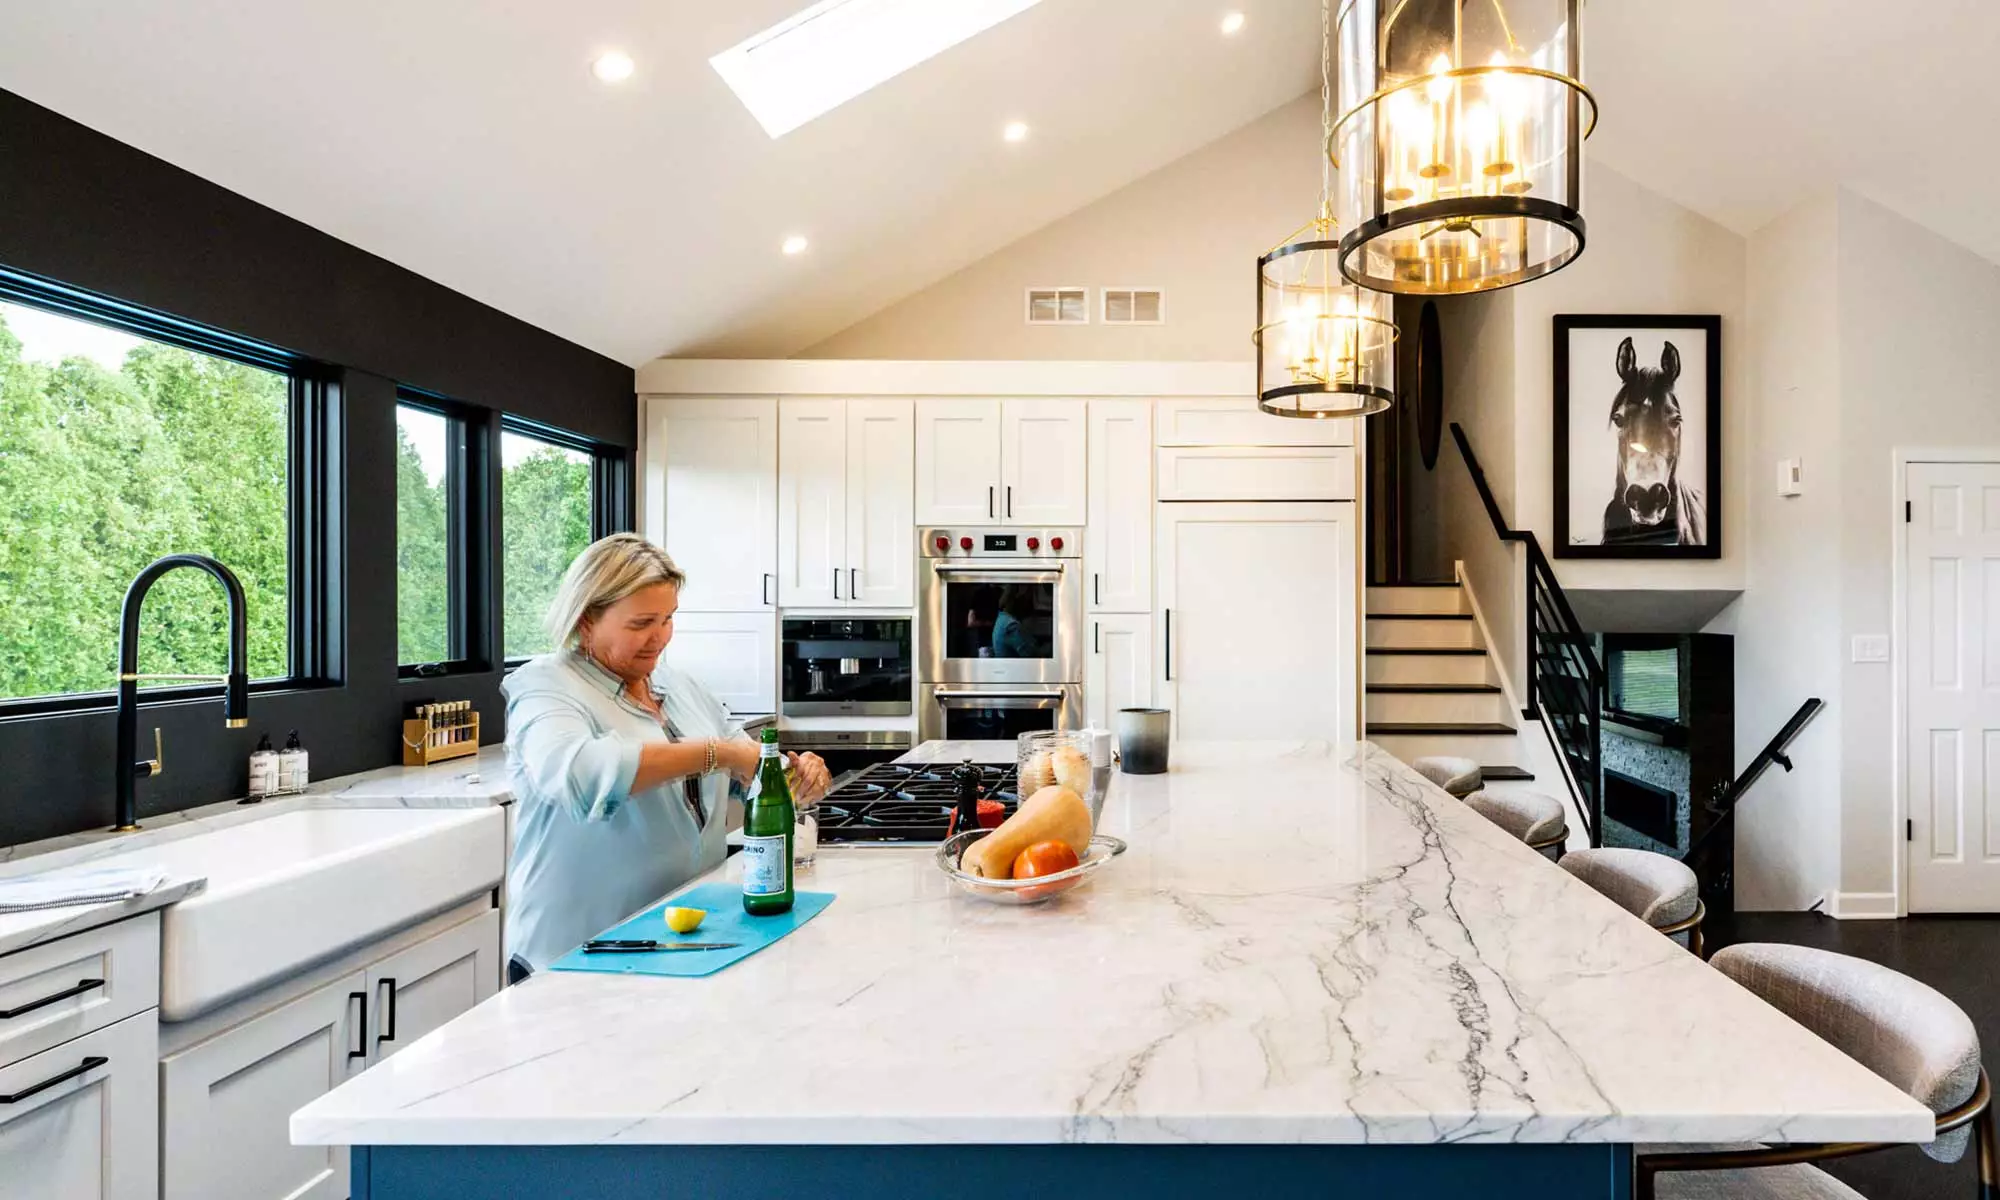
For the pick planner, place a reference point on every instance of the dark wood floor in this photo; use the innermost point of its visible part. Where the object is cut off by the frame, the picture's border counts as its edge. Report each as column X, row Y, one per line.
column 1957, row 956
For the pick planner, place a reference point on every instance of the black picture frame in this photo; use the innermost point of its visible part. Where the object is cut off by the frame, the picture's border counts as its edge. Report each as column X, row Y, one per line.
column 1592, row 542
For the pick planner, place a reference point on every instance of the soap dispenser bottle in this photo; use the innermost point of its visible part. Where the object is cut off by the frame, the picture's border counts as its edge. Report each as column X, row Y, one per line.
column 292, row 774
column 263, row 771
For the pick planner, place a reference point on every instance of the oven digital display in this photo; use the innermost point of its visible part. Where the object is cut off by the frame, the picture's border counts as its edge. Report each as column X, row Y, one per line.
column 1001, row 541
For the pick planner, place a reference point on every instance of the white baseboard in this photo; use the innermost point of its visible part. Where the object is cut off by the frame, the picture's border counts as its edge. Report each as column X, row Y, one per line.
column 1861, row 906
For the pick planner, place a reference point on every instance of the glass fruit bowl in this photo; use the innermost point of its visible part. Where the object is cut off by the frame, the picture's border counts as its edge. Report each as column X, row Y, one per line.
column 1102, row 849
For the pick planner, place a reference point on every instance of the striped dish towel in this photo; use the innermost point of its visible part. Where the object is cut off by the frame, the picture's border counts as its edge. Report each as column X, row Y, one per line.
column 67, row 889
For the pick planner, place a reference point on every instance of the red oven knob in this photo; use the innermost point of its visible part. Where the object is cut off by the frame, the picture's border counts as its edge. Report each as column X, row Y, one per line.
column 943, row 543
column 965, row 543
column 1054, row 543
column 1034, row 543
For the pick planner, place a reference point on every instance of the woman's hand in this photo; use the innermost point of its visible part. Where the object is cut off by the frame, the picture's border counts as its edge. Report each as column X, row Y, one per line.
column 810, row 778
column 738, row 757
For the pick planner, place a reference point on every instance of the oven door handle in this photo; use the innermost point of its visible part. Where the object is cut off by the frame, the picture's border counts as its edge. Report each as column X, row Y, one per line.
column 946, row 695
column 1014, row 574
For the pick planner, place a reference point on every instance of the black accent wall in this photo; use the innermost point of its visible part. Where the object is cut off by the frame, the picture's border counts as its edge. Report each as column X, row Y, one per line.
column 86, row 210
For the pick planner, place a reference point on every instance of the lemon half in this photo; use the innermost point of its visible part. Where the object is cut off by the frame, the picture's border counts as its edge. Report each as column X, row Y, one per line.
column 685, row 920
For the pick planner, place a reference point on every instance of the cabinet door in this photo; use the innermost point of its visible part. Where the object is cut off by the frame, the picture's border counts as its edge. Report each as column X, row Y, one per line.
column 881, row 495
column 812, row 502
column 1237, row 421
column 1120, row 666
column 713, row 464
column 94, row 1135
column 416, row 990
column 227, row 1103
column 1042, row 462
column 958, row 462
column 1118, row 543
column 1256, row 620
column 734, row 655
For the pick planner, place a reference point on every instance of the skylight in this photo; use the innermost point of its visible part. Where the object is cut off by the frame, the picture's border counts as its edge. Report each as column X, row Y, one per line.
column 819, row 59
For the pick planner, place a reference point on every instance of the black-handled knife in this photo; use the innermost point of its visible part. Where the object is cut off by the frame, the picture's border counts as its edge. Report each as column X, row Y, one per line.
column 620, row 946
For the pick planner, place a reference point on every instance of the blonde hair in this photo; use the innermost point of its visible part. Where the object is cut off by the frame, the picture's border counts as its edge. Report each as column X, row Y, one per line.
column 607, row 571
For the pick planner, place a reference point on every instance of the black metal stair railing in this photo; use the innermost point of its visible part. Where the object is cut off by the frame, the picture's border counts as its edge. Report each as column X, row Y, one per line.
column 1565, row 684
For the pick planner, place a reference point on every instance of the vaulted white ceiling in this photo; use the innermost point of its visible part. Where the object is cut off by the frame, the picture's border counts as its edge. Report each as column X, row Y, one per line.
column 467, row 140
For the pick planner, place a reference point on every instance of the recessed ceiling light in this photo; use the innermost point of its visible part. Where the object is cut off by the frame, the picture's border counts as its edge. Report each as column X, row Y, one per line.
column 1016, row 131
column 612, row 67
column 1233, row 23
column 816, row 60
column 795, row 244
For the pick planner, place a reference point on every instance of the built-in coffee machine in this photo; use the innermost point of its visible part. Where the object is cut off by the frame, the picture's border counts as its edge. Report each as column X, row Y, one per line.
column 846, row 667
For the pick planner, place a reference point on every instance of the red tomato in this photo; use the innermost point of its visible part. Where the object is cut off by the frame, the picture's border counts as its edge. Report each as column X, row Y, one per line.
column 1044, row 858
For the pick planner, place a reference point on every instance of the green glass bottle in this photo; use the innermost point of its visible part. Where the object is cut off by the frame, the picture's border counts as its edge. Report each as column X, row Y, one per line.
column 767, row 836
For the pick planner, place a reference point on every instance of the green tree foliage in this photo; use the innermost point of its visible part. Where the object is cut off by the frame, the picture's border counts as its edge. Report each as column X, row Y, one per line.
column 423, row 591
column 545, row 510
column 100, row 473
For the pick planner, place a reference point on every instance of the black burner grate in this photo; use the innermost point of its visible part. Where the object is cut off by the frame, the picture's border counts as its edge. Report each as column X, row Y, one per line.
column 904, row 802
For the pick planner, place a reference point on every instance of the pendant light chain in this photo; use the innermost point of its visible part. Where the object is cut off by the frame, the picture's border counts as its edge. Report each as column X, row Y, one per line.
column 1325, row 112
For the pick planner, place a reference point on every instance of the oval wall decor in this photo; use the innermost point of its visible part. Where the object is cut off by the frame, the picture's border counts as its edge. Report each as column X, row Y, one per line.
column 1430, row 385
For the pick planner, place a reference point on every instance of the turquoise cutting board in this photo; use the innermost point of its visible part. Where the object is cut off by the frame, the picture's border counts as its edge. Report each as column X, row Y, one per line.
column 727, row 922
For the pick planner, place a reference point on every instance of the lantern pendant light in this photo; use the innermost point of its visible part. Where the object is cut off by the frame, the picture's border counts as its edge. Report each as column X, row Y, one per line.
column 1460, row 142
column 1325, row 348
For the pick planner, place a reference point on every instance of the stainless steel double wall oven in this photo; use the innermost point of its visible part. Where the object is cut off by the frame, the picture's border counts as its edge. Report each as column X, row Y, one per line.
column 999, row 632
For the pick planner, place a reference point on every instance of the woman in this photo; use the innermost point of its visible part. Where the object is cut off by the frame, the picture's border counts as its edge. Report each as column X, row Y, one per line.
column 623, row 766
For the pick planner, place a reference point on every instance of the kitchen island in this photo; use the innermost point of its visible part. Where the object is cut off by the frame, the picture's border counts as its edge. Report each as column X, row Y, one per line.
column 1311, row 970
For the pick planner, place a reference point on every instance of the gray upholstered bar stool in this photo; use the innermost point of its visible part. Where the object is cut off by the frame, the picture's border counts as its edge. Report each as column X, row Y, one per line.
column 1901, row 1029
column 1657, row 889
column 1459, row 776
column 1531, row 816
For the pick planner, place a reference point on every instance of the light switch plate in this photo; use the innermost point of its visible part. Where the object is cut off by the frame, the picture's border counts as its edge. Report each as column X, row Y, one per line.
column 1871, row 647
column 1791, row 477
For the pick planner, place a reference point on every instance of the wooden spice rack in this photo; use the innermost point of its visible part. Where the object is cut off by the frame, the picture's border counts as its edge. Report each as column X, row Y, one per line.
column 440, row 733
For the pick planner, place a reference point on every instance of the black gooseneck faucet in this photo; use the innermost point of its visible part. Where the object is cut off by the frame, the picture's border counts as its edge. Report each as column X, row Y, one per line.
column 236, row 684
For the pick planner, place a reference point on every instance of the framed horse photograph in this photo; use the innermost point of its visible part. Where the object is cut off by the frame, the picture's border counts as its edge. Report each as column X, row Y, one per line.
column 1638, row 424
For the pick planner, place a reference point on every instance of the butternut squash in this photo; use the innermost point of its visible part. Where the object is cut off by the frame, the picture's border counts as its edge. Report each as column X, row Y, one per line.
column 1052, row 814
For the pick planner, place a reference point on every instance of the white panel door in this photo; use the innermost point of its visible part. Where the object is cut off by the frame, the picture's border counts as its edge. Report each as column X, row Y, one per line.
column 1044, row 462
column 94, row 1135
column 1952, row 671
column 1237, row 421
column 714, row 464
column 416, row 990
column 734, row 655
column 226, row 1104
column 1118, row 542
column 812, row 502
column 881, row 556
column 1119, row 670
column 958, row 462
column 1256, row 620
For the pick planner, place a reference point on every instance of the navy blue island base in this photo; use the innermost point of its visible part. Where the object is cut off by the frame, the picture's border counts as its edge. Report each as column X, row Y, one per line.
column 1044, row 1172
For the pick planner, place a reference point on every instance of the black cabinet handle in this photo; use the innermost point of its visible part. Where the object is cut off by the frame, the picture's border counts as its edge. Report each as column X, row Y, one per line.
column 361, row 1027
column 836, row 583
column 1170, row 645
column 89, row 1064
column 767, row 587
column 854, row 583
column 1010, row 501
column 82, row 986
column 989, row 501
column 1096, row 587
column 1095, row 647
column 389, row 1014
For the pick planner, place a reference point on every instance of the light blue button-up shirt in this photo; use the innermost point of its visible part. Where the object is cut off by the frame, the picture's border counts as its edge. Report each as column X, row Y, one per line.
column 588, row 851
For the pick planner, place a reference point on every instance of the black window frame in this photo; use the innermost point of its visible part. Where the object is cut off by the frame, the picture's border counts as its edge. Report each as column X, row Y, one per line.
column 470, row 551
column 1671, row 731
column 610, row 493
column 315, row 618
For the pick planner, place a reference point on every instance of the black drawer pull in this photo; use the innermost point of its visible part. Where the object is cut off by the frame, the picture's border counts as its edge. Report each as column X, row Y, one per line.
column 89, row 1064
column 82, row 986
column 361, row 1029
column 389, row 1006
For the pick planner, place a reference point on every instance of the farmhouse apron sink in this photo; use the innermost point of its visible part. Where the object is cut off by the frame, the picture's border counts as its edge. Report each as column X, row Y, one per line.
column 293, row 889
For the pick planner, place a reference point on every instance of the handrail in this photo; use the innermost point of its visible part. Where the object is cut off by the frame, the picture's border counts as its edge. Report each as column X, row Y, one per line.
column 1536, row 558
column 1724, row 807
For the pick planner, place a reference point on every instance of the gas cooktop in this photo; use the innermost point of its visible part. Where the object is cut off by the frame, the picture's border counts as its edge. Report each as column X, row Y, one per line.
column 905, row 802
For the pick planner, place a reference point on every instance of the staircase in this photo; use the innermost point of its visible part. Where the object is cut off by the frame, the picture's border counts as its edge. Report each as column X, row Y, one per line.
column 1430, row 688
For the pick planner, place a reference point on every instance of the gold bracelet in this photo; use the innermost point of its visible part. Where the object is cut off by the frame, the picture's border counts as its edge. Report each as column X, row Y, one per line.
column 710, row 768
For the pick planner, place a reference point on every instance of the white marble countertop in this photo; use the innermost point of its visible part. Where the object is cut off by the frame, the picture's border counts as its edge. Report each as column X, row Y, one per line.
column 19, row 930
column 1294, row 949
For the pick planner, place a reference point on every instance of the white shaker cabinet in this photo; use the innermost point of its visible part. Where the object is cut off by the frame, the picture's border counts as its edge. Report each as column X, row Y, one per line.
column 958, row 462
column 812, row 502
column 734, row 655
column 881, row 497
column 711, row 488
column 1119, row 668
column 416, row 990
column 89, row 1134
column 1118, row 539
column 228, row 1101
column 1042, row 462
column 846, row 491
column 1256, row 621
